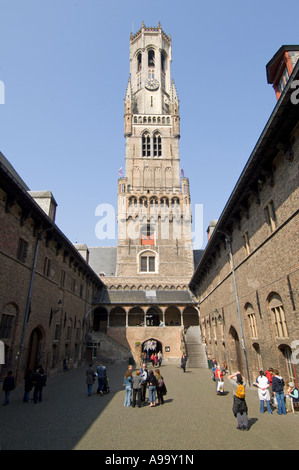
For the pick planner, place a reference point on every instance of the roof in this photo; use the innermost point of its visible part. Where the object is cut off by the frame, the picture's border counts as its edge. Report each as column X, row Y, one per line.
column 12, row 171
column 277, row 130
column 102, row 259
column 17, row 193
column 151, row 297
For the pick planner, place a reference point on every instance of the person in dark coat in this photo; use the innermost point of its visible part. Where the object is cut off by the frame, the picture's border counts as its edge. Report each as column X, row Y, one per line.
column 28, row 385
column 39, row 382
column 183, row 362
column 240, row 408
column 8, row 385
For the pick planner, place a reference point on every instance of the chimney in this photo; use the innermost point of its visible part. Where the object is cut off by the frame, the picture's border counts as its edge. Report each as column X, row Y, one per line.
column 46, row 201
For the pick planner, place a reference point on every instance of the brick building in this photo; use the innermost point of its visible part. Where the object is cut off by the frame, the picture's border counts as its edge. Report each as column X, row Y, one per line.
column 46, row 285
column 248, row 277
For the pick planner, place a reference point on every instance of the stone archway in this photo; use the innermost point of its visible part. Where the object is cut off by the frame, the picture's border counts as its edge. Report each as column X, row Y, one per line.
column 34, row 357
column 151, row 345
column 100, row 318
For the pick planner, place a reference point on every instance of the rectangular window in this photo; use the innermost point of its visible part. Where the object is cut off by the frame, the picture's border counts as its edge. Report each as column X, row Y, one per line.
column 143, row 264
column 62, row 278
column 246, row 243
column 56, row 332
column 22, row 250
column 271, row 216
column 151, row 264
column 47, row 267
column 6, row 326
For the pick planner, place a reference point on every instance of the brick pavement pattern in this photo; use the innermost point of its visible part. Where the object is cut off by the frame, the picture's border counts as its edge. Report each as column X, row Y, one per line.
column 192, row 418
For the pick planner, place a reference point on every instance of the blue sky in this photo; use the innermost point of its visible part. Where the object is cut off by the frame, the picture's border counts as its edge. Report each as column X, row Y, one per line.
column 65, row 67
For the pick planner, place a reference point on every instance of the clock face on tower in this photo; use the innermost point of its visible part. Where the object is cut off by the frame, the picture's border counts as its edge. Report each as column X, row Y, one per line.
column 151, row 84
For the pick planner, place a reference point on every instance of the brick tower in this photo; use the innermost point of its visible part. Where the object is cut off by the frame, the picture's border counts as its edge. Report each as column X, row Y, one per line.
column 154, row 216
column 147, row 300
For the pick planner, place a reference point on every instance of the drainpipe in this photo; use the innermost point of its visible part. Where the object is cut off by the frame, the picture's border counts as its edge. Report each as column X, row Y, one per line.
column 39, row 237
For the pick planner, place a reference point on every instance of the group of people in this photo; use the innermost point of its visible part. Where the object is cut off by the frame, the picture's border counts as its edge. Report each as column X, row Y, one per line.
column 270, row 385
column 155, row 357
column 136, row 385
column 35, row 381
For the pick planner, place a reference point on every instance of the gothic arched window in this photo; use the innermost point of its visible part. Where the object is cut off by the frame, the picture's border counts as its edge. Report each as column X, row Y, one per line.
column 151, row 58
column 146, row 145
column 139, row 62
column 157, row 145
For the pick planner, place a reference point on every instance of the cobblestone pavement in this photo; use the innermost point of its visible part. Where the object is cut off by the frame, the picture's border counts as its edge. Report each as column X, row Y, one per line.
column 193, row 417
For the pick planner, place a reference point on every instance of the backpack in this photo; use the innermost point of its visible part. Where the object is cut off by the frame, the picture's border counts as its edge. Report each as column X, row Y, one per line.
column 240, row 392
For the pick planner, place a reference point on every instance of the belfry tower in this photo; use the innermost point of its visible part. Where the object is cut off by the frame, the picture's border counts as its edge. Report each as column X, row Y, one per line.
column 147, row 300
column 154, row 217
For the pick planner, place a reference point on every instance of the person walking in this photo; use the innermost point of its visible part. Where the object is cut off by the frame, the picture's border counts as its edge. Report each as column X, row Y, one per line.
column 183, row 362
column 136, row 385
column 90, row 378
column 28, row 385
column 9, row 384
column 152, row 381
column 39, row 381
column 219, row 380
column 277, row 388
column 128, row 383
column 263, row 385
column 102, row 374
column 240, row 408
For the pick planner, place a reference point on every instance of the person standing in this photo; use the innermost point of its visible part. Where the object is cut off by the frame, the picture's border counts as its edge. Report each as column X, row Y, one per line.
column 128, row 383
column 160, row 358
column 39, row 382
column 152, row 384
column 183, row 362
column 9, row 384
column 90, row 377
column 136, row 384
column 240, row 408
column 263, row 385
column 160, row 387
column 28, row 385
column 292, row 396
column 144, row 377
column 102, row 374
column 277, row 388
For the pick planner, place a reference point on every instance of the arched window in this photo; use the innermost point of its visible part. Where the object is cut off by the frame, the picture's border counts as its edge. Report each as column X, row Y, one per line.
column 157, row 145
column 252, row 320
column 147, row 262
column 7, row 321
column 163, row 61
column 151, row 58
column 139, row 62
column 278, row 315
column 146, row 145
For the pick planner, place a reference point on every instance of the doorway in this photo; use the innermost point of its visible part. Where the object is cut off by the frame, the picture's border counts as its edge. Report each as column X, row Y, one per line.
column 34, row 350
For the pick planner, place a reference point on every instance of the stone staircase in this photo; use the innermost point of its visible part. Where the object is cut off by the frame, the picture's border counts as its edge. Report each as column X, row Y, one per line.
column 110, row 351
column 195, row 349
